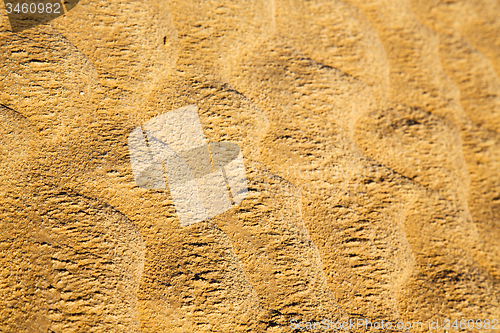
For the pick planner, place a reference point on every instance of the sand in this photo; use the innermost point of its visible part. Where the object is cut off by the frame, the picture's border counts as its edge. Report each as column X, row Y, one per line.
column 370, row 135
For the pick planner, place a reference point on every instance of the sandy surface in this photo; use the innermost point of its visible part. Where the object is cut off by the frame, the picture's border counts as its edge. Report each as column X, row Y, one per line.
column 370, row 133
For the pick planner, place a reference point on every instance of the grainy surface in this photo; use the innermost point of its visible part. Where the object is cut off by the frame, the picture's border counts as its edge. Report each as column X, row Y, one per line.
column 370, row 132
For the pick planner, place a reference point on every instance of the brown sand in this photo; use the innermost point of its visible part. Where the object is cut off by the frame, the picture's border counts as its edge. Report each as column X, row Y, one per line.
column 370, row 132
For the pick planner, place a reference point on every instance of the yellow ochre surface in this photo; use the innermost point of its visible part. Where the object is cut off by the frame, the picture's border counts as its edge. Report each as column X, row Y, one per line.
column 370, row 133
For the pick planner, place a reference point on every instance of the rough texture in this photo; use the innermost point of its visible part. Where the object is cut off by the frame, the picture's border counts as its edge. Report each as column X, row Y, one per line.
column 370, row 132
